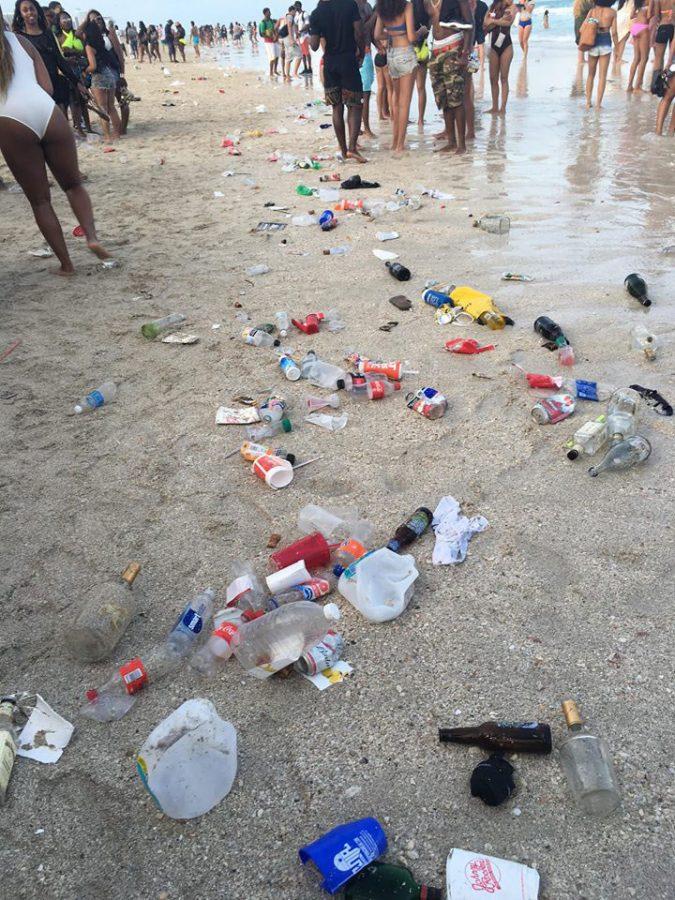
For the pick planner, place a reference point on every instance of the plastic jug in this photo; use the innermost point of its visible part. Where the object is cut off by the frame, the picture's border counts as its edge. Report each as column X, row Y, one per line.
column 380, row 584
column 189, row 761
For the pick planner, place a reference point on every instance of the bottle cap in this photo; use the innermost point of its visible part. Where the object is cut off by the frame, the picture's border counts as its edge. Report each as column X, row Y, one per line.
column 286, row 425
column 130, row 573
column 492, row 780
column 573, row 453
column 340, row 384
column 290, row 457
column 332, row 611
column 571, row 713
column 338, row 570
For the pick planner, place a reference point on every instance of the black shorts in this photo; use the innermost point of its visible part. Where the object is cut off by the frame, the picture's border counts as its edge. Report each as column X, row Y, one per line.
column 664, row 34
column 342, row 80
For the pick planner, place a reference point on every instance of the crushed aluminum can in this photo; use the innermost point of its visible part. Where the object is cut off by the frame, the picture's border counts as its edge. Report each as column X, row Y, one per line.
column 428, row 402
column 323, row 656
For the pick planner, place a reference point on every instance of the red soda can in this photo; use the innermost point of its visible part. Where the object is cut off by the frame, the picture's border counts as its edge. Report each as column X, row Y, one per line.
column 428, row 402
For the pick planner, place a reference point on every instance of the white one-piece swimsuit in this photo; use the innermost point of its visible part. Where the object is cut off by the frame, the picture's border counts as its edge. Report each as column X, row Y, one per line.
column 25, row 101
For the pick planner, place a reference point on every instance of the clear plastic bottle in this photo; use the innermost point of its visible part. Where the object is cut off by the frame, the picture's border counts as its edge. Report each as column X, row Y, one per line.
column 259, row 338
column 289, row 367
column 372, row 390
column 333, row 319
column 245, row 590
column 222, row 641
column 347, row 553
column 588, row 439
column 150, row 330
column 104, row 394
column 588, row 766
column 623, row 455
column 251, row 452
column 336, row 251
column 315, row 403
column 283, row 323
column 278, row 639
column 9, row 743
column 273, row 410
column 322, row 374
column 190, row 623
column 104, row 617
column 261, row 432
column 305, row 220
column 644, row 341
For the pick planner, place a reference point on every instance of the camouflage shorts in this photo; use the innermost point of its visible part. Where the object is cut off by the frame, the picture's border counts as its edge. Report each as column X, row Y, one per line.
column 334, row 96
column 447, row 79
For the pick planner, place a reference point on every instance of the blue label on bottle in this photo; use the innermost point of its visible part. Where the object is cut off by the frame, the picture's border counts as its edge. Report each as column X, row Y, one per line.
column 586, row 390
column 192, row 620
column 95, row 399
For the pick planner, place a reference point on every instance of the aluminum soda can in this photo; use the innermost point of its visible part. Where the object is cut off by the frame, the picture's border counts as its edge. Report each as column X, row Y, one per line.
column 428, row 402
column 323, row 656
column 436, row 298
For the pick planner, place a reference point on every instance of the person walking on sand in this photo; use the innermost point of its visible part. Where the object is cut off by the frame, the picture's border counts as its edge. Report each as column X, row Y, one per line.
column 396, row 23
column 601, row 52
column 34, row 134
column 302, row 22
column 452, row 27
column 498, row 22
column 639, row 30
column 170, row 41
column 268, row 32
column 143, row 42
column 338, row 23
column 194, row 38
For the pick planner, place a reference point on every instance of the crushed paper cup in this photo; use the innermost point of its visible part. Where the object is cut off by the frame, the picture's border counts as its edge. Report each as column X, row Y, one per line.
column 323, row 420
column 384, row 255
column 45, row 735
column 227, row 415
column 180, row 339
column 277, row 473
column 469, row 875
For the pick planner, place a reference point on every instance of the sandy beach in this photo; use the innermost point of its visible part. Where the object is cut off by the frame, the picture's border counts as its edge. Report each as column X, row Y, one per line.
column 568, row 593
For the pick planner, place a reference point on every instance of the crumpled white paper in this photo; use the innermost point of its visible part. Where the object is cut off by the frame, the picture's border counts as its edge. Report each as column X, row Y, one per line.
column 45, row 735
column 453, row 532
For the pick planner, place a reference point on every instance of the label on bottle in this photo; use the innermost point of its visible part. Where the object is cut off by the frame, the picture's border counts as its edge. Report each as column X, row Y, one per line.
column 286, row 364
column 586, row 390
column 428, row 402
column 237, row 588
column 435, row 298
column 226, row 631
column 352, row 547
column 418, row 523
column 190, row 620
column 134, row 675
column 376, row 390
column 557, row 408
column 517, row 724
column 95, row 399
column 7, row 757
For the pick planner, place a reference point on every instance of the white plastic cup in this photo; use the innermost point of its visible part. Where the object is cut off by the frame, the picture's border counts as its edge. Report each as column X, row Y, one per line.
column 288, row 577
column 274, row 471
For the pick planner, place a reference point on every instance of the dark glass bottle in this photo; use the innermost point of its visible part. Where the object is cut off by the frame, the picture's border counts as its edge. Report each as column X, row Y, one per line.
column 411, row 529
column 398, row 270
column 384, row 881
column 509, row 737
column 637, row 287
column 550, row 331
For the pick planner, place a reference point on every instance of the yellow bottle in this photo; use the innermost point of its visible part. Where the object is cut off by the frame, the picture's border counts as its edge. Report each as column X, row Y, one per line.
column 479, row 306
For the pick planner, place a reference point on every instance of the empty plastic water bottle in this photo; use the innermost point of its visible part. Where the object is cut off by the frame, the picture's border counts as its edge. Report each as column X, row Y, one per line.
column 643, row 340
column 360, row 388
column 264, row 431
column 304, row 221
column 322, row 374
column 279, row 638
column 191, row 622
column 222, row 641
column 289, row 367
column 283, row 323
column 104, row 394
column 245, row 590
column 310, row 590
column 336, row 251
column 259, row 338
column 151, row 329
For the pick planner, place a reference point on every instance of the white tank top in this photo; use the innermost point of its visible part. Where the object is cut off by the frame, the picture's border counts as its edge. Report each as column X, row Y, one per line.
column 25, row 101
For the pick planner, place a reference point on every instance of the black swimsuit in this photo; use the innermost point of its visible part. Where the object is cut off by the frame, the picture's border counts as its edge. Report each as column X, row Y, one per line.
column 507, row 42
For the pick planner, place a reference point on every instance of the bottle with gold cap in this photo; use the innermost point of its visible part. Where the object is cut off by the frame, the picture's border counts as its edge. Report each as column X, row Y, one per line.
column 104, row 618
column 588, row 766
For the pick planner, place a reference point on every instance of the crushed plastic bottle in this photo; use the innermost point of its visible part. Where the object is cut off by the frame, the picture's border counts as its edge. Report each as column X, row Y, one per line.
column 322, row 374
column 623, row 455
column 304, row 221
column 152, row 329
column 313, row 404
column 310, row 590
column 279, row 638
column 283, row 323
column 362, row 389
column 259, row 338
column 245, row 589
column 106, row 393
column 260, row 269
column 219, row 647
column 334, row 524
column 104, row 618
column 264, row 431
column 380, row 584
column 189, row 761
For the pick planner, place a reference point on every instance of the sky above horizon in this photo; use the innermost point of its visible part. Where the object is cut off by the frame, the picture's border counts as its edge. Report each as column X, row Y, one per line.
column 200, row 11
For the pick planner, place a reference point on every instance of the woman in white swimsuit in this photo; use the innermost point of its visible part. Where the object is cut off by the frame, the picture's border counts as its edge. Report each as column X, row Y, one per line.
column 34, row 134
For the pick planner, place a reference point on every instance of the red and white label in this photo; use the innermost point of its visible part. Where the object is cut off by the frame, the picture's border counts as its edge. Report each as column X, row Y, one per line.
column 134, row 675
column 376, row 390
column 237, row 589
column 227, row 631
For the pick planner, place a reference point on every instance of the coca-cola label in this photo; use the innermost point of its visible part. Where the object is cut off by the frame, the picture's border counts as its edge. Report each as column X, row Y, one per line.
column 376, row 390
column 226, row 631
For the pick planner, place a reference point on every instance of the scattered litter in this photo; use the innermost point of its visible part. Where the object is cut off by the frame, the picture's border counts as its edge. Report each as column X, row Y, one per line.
column 42, row 253
column 400, row 301
column 513, row 276
column 493, row 224
column 323, row 420
column 111, row 264
column 180, row 339
column 387, row 235
column 260, row 269
column 226, row 415
column 384, row 255
column 270, row 226
column 218, row 194
column 468, row 873
column 344, row 851
column 45, row 735
column 467, row 346
column 335, row 674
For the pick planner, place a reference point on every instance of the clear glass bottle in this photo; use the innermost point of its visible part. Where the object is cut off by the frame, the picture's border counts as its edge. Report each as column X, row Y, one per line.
column 588, row 766
column 623, row 455
column 643, row 340
column 588, row 439
column 9, row 741
column 104, row 617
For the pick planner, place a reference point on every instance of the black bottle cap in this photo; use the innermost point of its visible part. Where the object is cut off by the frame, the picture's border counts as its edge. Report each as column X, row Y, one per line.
column 277, row 342
column 572, row 454
column 291, row 458
column 340, row 384
column 492, row 780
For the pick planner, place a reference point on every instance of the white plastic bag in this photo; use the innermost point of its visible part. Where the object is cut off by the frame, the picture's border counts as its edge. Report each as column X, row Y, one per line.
column 380, row 584
column 189, row 761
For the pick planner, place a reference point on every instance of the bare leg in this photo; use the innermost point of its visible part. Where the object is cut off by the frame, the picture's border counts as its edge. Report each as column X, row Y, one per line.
column 354, row 121
column 504, row 66
column 339, row 127
column 366, row 115
column 395, row 114
column 101, row 99
column 407, row 83
column 26, row 161
column 592, row 66
column 602, row 77
column 644, row 56
column 469, row 110
column 664, row 106
column 525, row 41
column 494, row 82
column 634, row 64
column 421, row 83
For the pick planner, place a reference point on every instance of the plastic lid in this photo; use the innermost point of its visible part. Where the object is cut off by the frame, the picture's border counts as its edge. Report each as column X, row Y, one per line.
column 291, row 458
column 286, row 425
column 338, row 570
column 340, row 384
column 78, row 408
column 332, row 611
column 572, row 454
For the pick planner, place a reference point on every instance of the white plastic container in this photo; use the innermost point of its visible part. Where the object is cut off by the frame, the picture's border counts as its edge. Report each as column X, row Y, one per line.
column 288, row 577
column 189, row 761
column 380, row 584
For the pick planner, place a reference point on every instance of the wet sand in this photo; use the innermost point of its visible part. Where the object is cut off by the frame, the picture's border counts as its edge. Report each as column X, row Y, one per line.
column 568, row 593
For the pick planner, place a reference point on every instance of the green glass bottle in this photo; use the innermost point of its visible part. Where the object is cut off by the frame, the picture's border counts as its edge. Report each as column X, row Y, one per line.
column 384, row 881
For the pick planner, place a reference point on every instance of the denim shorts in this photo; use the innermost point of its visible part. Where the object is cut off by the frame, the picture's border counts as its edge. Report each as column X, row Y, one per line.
column 401, row 61
column 105, row 80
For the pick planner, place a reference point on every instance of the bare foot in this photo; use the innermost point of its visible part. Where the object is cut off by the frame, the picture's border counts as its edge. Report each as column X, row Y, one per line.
column 491, row 112
column 65, row 270
column 589, row 105
column 98, row 250
column 447, row 149
column 460, row 151
column 369, row 134
column 441, row 136
column 354, row 154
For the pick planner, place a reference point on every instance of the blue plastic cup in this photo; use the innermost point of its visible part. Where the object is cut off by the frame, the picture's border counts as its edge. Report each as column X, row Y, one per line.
column 343, row 852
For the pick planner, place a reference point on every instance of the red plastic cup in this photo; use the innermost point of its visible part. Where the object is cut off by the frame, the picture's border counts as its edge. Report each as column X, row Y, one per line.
column 313, row 549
